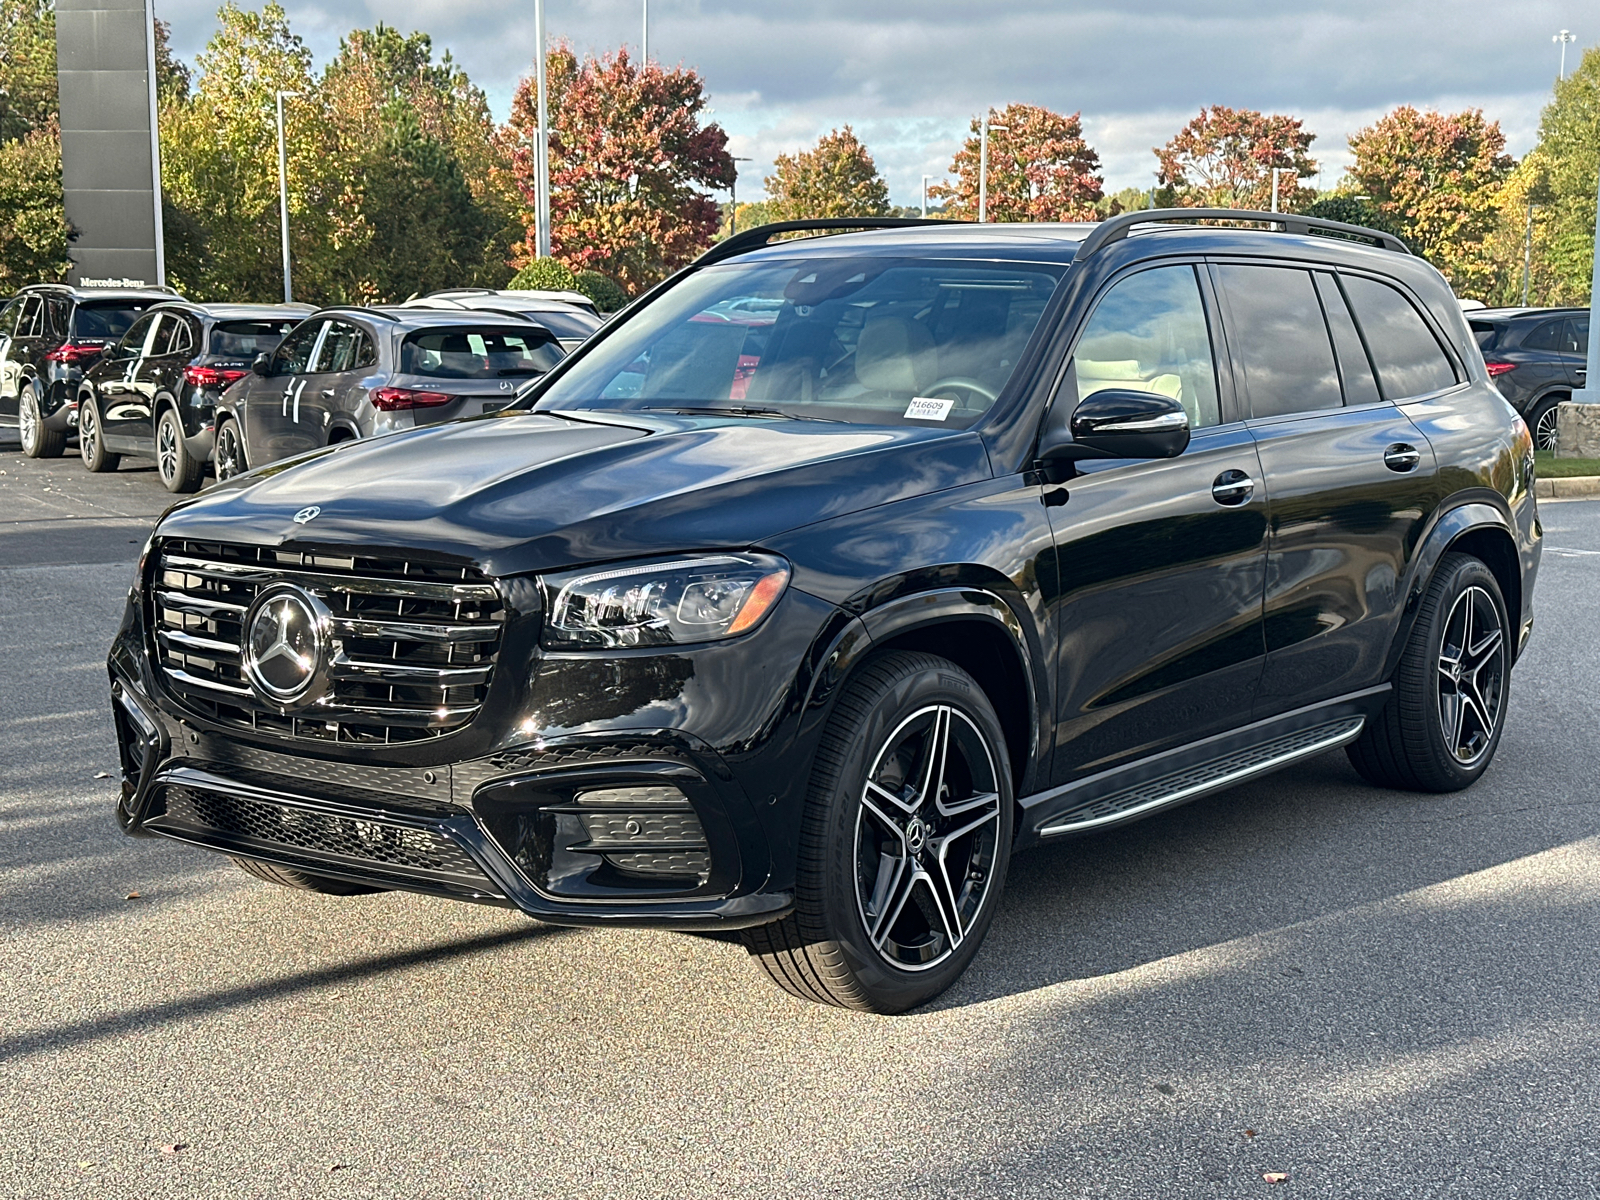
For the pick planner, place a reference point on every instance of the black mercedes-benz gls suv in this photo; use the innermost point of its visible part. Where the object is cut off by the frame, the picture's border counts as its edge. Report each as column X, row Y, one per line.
column 836, row 569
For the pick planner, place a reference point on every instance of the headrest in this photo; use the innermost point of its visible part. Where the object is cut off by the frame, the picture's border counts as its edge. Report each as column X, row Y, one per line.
column 895, row 354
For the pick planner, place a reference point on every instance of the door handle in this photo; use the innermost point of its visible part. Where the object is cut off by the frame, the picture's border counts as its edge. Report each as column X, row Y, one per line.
column 327, row 392
column 1232, row 488
column 1401, row 457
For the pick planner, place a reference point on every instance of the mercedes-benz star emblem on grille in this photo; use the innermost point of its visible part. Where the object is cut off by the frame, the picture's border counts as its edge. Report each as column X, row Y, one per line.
column 307, row 514
column 285, row 647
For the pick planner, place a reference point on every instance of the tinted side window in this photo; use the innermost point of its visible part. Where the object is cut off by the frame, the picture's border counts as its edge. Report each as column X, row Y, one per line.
column 1279, row 338
column 338, row 348
column 294, row 353
column 132, row 343
column 1408, row 357
column 1571, row 343
column 1580, row 333
column 1485, row 333
column 366, row 353
column 28, row 325
column 1148, row 334
column 1544, row 337
column 1359, row 385
column 58, row 316
column 8, row 319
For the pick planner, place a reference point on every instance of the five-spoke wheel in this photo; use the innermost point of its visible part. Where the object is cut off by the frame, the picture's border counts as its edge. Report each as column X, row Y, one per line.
column 1472, row 662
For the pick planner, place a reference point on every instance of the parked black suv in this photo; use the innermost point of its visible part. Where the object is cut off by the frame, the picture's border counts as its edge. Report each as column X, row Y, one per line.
column 1535, row 356
column 840, row 568
column 49, row 335
column 155, row 392
column 348, row 373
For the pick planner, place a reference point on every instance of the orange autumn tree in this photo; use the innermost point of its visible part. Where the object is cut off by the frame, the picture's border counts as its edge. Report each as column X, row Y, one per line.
column 1225, row 156
column 1040, row 169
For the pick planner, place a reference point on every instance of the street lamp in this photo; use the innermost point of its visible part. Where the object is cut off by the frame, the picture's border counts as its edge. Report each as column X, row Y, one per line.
column 541, row 150
column 644, row 37
column 1565, row 38
column 1276, row 171
column 283, row 197
column 983, row 167
column 733, row 193
column 1527, row 254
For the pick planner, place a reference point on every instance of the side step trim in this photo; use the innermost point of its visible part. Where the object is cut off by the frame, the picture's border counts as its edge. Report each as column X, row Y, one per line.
column 1194, row 782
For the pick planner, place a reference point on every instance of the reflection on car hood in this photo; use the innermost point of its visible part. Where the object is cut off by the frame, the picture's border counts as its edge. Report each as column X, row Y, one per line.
column 517, row 492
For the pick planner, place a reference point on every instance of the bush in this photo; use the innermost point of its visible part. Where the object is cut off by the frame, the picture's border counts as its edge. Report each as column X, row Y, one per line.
column 608, row 295
column 545, row 275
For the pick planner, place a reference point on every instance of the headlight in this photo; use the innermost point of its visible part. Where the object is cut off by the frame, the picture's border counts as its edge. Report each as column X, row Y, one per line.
column 663, row 603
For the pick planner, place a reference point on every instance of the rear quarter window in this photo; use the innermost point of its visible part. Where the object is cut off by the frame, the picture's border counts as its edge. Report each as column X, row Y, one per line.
column 478, row 353
column 1408, row 358
column 107, row 320
column 1485, row 334
column 246, row 339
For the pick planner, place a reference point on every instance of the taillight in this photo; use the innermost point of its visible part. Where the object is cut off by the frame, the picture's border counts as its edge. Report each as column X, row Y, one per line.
column 74, row 355
column 393, row 399
column 1496, row 369
column 212, row 377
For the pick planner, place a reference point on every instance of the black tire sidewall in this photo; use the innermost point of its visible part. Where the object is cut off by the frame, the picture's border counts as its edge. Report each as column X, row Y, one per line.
column 891, row 989
column 1419, row 684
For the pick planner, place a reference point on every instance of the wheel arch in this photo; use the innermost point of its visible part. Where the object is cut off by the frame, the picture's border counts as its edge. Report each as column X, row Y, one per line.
column 342, row 431
column 1483, row 531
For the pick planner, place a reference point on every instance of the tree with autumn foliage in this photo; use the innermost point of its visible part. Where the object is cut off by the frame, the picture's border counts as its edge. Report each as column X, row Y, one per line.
column 1224, row 158
column 1040, row 169
column 1437, row 177
column 835, row 178
column 629, row 155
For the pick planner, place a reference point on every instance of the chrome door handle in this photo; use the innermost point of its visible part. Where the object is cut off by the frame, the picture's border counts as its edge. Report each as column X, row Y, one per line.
column 1401, row 457
column 327, row 391
column 1232, row 488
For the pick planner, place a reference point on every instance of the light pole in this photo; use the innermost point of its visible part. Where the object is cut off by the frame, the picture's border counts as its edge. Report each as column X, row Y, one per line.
column 283, row 198
column 1276, row 171
column 644, row 36
column 983, row 167
column 925, row 179
column 541, row 155
column 1527, row 254
column 1566, row 38
column 733, row 193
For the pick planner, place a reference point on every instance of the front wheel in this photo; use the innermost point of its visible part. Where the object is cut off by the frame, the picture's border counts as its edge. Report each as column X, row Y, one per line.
column 229, row 454
column 38, row 439
column 1442, row 723
column 180, row 471
column 91, row 443
column 904, row 844
column 1543, row 422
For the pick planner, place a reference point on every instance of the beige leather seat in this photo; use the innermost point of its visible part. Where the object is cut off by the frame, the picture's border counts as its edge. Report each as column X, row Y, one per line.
column 896, row 355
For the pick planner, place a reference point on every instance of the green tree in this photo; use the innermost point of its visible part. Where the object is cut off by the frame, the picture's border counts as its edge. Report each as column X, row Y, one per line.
column 1040, row 169
column 628, row 157
column 1353, row 212
column 33, row 229
column 1437, row 178
column 27, row 67
column 835, row 178
column 1224, row 158
column 545, row 275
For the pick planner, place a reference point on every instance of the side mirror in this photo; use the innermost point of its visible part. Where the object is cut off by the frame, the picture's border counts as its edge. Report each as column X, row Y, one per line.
column 1118, row 423
column 262, row 364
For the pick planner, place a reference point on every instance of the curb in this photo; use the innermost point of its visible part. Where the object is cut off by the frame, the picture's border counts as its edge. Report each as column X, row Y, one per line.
column 1576, row 485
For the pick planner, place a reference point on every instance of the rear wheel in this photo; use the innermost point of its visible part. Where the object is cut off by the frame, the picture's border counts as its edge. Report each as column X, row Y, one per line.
column 229, row 454
column 1542, row 422
column 1442, row 723
column 904, row 845
column 180, row 471
column 38, row 440
column 301, row 881
column 91, row 444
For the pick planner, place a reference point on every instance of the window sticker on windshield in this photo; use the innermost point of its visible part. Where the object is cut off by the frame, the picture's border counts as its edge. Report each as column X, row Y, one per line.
column 922, row 408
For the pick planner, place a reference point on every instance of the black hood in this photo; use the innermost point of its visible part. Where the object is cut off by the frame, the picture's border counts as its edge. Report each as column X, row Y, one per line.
column 519, row 492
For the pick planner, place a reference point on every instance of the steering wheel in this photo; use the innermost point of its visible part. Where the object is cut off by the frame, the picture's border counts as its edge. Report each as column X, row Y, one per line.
column 964, row 383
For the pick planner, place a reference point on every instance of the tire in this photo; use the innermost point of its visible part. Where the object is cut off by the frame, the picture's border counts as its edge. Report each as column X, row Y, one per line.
column 301, row 881
column 1542, row 422
column 38, row 440
column 180, row 471
column 228, row 457
column 872, row 927
column 91, row 446
column 1443, row 720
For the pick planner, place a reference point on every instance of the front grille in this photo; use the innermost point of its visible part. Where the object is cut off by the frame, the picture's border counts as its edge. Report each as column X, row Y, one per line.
column 310, row 837
column 414, row 643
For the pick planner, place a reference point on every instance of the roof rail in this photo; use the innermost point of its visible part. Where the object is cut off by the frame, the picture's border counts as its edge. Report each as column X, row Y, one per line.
column 1114, row 229
column 754, row 239
column 365, row 310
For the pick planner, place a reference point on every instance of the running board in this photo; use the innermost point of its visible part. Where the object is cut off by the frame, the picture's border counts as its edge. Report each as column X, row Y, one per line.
column 1196, row 781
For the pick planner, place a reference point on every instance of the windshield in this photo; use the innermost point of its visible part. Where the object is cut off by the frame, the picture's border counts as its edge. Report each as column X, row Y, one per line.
column 246, row 339
column 478, row 353
column 881, row 341
column 107, row 319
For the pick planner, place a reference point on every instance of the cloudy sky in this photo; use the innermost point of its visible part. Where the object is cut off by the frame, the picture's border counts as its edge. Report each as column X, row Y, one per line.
column 910, row 74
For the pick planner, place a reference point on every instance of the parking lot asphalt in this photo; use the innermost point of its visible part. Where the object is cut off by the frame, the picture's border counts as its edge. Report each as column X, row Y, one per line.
column 1375, row 993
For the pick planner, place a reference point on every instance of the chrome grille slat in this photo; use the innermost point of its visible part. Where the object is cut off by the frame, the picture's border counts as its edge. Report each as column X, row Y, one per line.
column 413, row 646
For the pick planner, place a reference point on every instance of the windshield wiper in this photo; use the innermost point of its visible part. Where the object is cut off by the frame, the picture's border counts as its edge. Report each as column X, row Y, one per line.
column 740, row 411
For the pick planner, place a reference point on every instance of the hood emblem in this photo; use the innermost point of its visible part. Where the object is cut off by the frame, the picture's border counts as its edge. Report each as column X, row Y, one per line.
column 307, row 514
column 286, row 642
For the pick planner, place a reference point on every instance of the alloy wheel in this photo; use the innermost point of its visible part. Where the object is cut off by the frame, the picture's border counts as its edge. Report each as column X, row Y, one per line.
column 227, row 455
column 88, row 431
column 29, row 420
column 926, row 838
column 1471, row 675
column 166, row 450
column 1546, row 428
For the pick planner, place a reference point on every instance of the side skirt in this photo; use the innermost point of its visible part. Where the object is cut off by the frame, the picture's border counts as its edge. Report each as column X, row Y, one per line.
column 1175, row 777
